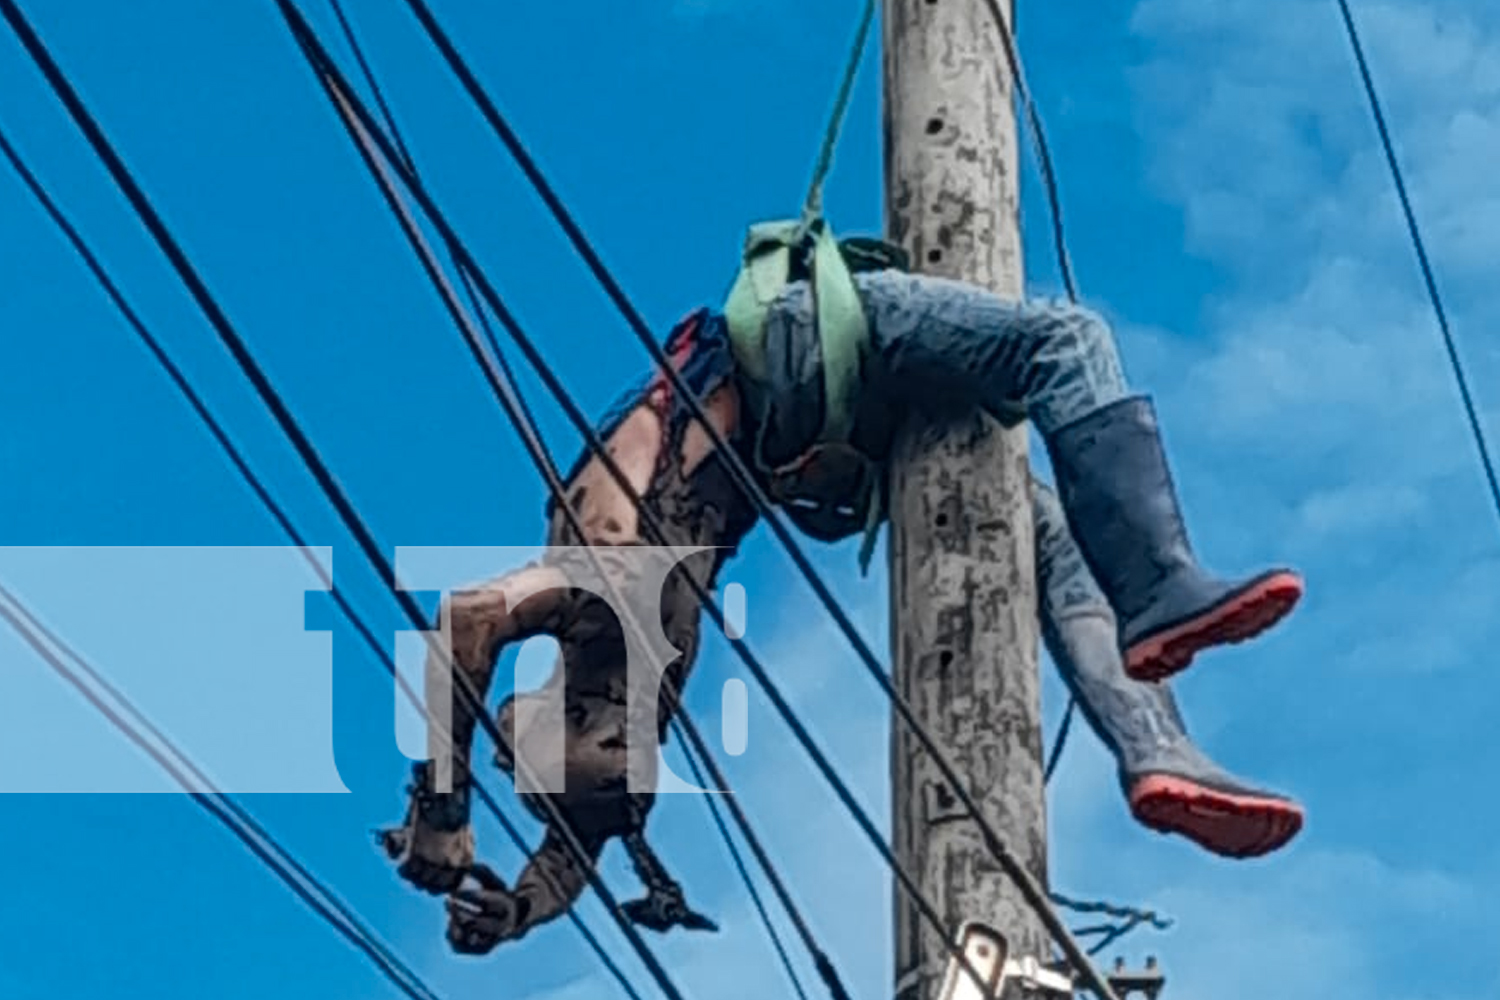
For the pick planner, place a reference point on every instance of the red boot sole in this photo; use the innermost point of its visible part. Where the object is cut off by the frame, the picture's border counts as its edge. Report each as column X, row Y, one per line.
column 1244, row 616
column 1234, row 826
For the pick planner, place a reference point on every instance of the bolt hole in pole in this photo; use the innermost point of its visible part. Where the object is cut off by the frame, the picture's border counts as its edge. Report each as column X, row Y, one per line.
column 934, row 126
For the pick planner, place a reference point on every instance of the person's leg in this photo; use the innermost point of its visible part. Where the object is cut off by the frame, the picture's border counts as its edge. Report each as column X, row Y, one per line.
column 1171, row 785
column 945, row 343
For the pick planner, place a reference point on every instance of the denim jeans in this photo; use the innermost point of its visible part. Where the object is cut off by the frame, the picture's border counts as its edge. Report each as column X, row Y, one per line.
column 945, row 344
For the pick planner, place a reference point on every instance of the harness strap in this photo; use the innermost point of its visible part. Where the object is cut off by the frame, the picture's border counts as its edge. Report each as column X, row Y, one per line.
column 777, row 253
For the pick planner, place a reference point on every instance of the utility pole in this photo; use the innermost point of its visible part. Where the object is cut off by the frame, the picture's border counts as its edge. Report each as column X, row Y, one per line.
column 963, row 596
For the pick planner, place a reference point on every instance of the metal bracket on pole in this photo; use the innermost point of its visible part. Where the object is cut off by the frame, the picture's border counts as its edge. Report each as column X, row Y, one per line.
column 1148, row 982
column 989, row 953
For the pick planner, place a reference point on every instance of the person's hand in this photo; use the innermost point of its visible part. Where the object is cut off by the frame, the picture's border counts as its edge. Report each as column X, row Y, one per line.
column 434, row 848
column 480, row 918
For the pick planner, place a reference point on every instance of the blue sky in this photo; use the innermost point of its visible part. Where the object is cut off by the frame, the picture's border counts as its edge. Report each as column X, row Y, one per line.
column 1228, row 207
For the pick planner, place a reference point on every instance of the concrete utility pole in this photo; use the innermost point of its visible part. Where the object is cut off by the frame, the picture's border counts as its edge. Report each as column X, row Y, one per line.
column 963, row 612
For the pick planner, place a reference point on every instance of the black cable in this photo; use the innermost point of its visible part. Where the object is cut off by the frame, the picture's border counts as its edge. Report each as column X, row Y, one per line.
column 319, row 898
column 351, row 518
column 278, row 513
column 739, row 865
column 393, row 131
column 1039, row 142
column 1006, row 31
column 1471, row 410
column 332, row 79
column 363, row 131
column 1035, row 896
column 1060, row 741
column 1064, row 265
column 367, row 71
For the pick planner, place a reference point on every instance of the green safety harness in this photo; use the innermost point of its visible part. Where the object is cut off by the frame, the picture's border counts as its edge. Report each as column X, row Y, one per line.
column 833, row 490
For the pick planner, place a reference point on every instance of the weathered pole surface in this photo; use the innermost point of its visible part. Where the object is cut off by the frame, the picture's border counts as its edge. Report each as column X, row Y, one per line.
column 963, row 611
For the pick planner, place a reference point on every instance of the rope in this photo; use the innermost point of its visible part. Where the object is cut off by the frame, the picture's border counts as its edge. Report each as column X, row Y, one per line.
column 131, row 723
column 1471, row 410
column 1060, row 248
column 277, row 512
column 813, row 206
column 304, row 447
column 1113, row 910
column 1126, row 919
column 1111, row 933
column 1029, row 888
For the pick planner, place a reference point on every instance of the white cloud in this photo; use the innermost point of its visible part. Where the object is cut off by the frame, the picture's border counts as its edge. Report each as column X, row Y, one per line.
column 1302, row 928
column 1317, row 420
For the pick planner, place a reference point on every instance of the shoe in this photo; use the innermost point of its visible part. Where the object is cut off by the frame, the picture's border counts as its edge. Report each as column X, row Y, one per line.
column 1117, row 491
column 1171, row 785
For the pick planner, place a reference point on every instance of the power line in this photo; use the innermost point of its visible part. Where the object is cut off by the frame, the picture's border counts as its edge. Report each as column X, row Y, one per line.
column 277, row 512
column 1030, row 889
column 1471, row 410
column 136, row 727
column 744, row 873
column 1064, row 264
column 346, row 27
column 393, row 131
column 330, row 76
column 1039, row 142
column 351, row 518
column 364, row 132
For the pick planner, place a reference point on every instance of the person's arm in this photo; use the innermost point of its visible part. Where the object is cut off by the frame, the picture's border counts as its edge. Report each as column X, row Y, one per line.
column 669, row 460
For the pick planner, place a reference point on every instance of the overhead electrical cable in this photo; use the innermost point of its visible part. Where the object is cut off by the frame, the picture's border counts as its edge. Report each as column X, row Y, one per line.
column 1419, row 246
column 309, row 454
column 123, row 715
column 366, row 131
column 393, row 132
column 277, row 512
column 1030, row 889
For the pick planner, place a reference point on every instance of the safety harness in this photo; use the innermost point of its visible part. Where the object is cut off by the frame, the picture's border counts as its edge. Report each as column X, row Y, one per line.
column 832, row 490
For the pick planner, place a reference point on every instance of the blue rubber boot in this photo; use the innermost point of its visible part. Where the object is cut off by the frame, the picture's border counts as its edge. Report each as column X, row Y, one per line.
column 1172, row 786
column 1117, row 491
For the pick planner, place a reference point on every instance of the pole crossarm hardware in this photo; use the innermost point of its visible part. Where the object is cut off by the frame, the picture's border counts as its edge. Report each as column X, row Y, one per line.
column 988, row 950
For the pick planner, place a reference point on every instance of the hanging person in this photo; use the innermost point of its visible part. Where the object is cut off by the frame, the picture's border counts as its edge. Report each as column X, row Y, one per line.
column 1124, row 602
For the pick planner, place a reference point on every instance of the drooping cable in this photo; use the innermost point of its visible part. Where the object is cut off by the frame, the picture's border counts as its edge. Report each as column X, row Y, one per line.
column 1419, row 246
column 393, row 131
column 154, row 224
column 125, row 717
column 272, row 506
column 1030, row 889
